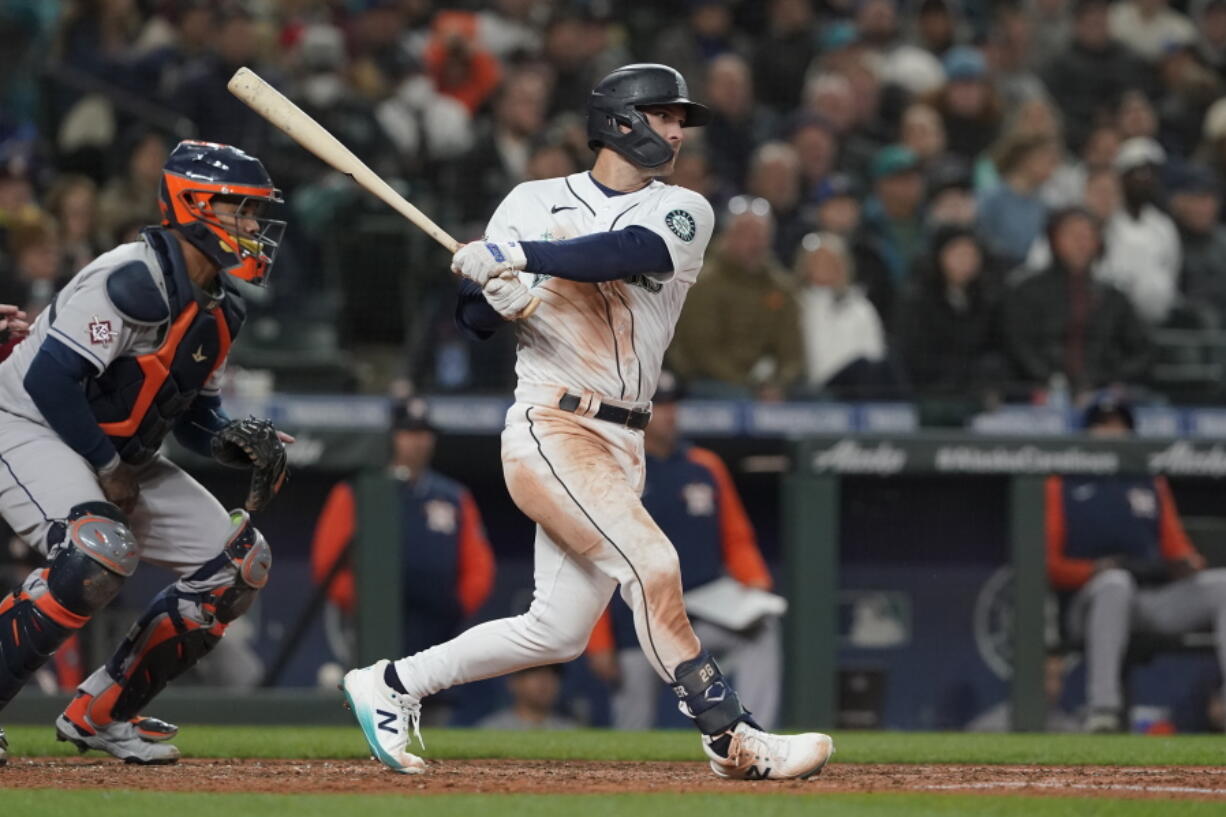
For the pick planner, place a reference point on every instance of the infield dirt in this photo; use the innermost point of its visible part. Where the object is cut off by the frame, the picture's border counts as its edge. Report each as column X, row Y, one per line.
column 589, row 777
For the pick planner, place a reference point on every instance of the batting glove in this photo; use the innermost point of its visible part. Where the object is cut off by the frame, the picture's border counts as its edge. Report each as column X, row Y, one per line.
column 482, row 260
column 508, row 296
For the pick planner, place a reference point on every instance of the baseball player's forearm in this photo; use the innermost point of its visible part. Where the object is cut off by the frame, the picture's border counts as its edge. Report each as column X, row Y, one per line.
column 204, row 418
column 53, row 382
column 599, row 257
column 473, row 314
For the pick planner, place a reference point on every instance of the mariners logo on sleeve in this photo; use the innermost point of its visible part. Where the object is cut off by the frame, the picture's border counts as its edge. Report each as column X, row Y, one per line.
column 682, row 224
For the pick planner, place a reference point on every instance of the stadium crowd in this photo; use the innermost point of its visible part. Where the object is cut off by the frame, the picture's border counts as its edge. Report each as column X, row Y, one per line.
column 970, row 200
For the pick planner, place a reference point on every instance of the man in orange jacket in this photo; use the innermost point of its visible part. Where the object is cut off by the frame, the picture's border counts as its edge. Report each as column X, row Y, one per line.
column 691, row 496
column 448, row 562
column 1116, row 545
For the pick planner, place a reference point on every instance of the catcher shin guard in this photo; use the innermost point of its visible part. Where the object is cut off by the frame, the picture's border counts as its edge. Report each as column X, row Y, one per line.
column 706, row 696
column 179, row 628
column 93, row 552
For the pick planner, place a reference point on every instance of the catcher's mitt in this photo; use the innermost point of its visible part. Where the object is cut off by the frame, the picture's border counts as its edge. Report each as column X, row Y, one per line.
column 253, row 444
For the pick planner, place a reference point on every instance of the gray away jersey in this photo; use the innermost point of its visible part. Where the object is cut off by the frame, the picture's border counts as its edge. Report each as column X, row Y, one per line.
column 609, row 337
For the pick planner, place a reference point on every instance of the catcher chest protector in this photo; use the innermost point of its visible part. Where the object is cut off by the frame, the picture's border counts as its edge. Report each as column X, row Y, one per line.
column 93, row 552
column 618, row 99
column 179, row 628
column 138, row 400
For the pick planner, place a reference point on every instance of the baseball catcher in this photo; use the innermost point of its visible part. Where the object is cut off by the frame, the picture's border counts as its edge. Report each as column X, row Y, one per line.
column 131, row 350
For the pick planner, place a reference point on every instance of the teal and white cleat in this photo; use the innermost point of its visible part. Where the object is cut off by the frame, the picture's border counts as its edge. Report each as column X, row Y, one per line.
column 388, row 718
column 753, row 754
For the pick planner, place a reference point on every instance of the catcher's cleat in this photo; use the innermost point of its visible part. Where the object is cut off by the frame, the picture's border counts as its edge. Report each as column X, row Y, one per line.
column 118, row 738
column 4, row 748
column 388, row 718
column 154, row 729
column 752, row 754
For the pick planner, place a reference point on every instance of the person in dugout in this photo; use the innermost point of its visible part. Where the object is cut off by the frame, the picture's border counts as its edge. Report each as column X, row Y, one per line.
column 691, row 496
column 1118, row 554
column 448, row 562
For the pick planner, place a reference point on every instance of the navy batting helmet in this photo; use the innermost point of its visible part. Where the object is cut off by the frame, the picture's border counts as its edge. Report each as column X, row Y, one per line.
column 197, row 176
column 619, row 98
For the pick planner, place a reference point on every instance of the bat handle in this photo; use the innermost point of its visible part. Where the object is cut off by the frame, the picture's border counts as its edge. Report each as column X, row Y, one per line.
column 530, row 308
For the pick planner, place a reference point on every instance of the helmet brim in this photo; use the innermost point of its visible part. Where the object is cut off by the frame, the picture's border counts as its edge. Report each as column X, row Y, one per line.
column 696, row 114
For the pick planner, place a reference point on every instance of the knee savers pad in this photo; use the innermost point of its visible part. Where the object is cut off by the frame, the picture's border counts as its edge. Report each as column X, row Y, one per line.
column 706, row 696
column 181, row 627
column 93, row 553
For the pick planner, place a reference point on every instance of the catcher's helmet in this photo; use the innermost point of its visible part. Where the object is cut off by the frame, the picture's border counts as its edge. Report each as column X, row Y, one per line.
column 199, row 174
column 617, row 100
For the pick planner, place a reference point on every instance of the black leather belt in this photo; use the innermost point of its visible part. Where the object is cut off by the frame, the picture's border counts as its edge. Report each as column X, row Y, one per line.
column 631, row 418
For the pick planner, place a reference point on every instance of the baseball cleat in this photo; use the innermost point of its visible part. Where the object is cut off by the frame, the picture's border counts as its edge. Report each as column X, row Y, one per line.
column 4, row 748
column 154, row 729
column 757, row 755
column 118, row 738
column 388, row 719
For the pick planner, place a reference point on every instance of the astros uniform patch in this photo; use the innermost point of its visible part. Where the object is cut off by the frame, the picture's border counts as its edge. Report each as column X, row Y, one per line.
column 682, row 224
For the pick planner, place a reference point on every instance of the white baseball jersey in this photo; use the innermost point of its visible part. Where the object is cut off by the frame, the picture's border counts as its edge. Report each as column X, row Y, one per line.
column 88, row 323
column 610, row 337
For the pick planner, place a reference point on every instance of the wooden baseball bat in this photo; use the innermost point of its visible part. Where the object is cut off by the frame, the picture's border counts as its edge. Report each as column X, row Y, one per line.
column 271, row 104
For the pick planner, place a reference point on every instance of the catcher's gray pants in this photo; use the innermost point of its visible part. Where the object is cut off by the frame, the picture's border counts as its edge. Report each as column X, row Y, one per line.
column 1111, row 607
column 753, row 658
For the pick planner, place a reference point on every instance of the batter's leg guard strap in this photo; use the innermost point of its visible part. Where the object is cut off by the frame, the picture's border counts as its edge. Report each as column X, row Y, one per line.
column 93, row 552
column 706, row 696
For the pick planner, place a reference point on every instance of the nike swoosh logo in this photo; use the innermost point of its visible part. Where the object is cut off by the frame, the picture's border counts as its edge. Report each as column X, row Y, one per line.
column 558, row 208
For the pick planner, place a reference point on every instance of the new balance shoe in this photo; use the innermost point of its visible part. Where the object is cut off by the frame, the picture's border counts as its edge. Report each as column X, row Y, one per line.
column 118, row 738
column 389, row 719
column 751, row 754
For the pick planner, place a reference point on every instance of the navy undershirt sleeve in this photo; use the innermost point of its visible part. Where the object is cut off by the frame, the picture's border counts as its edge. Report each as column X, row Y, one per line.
column 473, row 314
column 54, row 382
column 607, row 256
column 203, row 419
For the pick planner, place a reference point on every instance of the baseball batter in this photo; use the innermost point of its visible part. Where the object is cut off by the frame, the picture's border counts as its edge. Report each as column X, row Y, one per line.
column 611, row 255
column 131, row 349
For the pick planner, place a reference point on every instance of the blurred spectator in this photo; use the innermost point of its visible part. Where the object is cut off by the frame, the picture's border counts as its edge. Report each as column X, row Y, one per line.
column 1212, row 150
column 499, row 159
column 534, row 702
column 1209, row 17
column 72, row 202
column 132, row 195
column 1135, row 117
column 1143, row 253
column 844, row 338
column 1195, row 204
column 1118, row 553
column 424, row 125
column 34, row 247
column 838, row 212
column 449, row 564
column 1101, row 199
column 568, row 53
column 698, row 40
column 739, row 333
column 1053, row 27
column 968, row 103
column 1089, row 76
column 1189, row 88
column 999, row 718
column 457, row 62
column 511, row 29
column 893, row 214
column 1067, row 186
column 1033, row 117
column 951, row 195
column 1063, row 321
column 1012, row 215
column 775, row 177
column 923, row 132
column 1010, row 52
column 738, row 124
column 691, row 496
column 948, row 325
column 1149, row 27
column 899, row 62
column 938, row 26
column 817, row 149
column 552, row 161
column 170, row 47
column 96, row 36
column 783, row 53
